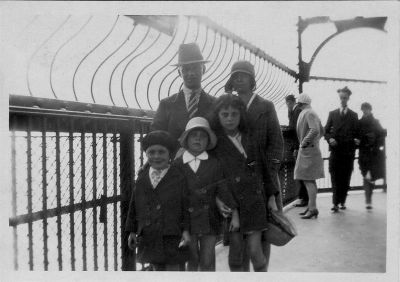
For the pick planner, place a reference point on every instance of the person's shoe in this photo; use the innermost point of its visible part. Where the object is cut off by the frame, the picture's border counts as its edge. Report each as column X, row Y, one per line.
column 304, row 212
column 369, row 207
column 311, row 214
column 335, row 208
column 342, row 207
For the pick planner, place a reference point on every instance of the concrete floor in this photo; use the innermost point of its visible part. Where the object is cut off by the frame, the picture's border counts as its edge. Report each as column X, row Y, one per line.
column 353, row 240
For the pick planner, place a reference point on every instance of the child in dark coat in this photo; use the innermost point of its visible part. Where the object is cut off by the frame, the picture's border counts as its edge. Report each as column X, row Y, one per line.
column 205, row 182
column 241, row 163
column 158, row 220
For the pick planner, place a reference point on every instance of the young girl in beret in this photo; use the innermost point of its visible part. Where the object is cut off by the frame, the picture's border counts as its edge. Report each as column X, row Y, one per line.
column 205, row 182
column 158, row 218
column 239, row 156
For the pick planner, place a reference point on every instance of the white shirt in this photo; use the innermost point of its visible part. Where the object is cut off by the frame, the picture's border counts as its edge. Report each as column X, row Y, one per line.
column 237, row 141
column 153, row 181
column 194, row 161
column 188, row 92
column 251, row 101
column 343, row 110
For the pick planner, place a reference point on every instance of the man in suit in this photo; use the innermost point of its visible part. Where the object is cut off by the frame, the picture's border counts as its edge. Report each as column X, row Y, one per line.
column 341, row 133
column 293, row 115
column 175, row 111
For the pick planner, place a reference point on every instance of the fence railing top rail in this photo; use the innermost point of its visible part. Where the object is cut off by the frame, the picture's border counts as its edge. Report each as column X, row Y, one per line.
column 27, row 104
column 254, row 49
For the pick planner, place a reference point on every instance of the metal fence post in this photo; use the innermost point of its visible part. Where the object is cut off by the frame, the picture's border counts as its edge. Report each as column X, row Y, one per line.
column 127, row 178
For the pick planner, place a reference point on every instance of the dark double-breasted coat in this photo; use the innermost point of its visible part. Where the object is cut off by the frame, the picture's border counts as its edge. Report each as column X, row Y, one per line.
column 157, row 214
column 267, row 134
column 371, row 158
column 172, row 114
column 204, row 186
column 245, row 181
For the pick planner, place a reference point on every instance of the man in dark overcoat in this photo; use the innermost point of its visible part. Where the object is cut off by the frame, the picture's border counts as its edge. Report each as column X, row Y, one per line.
column 341, row 133
column 175, row 111
column 293, row 115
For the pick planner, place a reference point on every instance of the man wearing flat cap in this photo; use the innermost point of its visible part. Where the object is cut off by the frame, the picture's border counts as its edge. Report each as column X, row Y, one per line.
column 175, row 111
column 341, row 133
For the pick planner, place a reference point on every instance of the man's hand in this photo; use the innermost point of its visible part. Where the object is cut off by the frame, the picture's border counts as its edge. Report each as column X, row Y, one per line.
column 132, row 241
column 224, row 209
column 332, row 142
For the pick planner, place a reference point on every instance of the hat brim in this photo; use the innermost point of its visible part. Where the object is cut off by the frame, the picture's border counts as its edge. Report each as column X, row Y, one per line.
column 190, row 62
column 211, row 136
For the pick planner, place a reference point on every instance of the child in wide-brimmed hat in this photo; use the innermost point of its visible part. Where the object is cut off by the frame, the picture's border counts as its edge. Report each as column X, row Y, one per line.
column 205, row 182
column 158, row 218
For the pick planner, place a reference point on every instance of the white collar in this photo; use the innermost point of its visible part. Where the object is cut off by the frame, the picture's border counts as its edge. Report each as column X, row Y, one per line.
column 188, row 157
column 251, row 101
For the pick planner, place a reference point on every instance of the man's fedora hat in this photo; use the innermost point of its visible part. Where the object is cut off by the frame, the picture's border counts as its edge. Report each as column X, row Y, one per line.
column 188, row 54
column 344, row 90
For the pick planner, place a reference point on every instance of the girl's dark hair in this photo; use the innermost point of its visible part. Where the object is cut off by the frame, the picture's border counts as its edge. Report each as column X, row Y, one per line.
column 223, row 102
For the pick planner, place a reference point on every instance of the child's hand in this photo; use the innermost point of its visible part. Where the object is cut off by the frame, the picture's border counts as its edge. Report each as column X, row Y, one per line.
column 224, row 209
column 185, row 239
column 272, row 203
column 132, row 241
column 235, row 223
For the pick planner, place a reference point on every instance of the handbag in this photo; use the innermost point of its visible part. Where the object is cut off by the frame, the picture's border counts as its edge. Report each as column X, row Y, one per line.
column 280, row 229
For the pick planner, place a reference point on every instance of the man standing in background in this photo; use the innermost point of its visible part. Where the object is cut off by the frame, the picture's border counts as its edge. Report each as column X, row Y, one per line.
column 341, row 133
column 293, row 115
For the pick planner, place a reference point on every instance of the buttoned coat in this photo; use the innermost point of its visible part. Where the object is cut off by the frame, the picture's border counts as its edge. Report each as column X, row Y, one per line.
column 309, row 163
column 293, row 116
column 266, row 130
column 172, row 114
column 158, row 212
column 245, row 181
column 371, row 158
column 203, row 187
column 343, row 130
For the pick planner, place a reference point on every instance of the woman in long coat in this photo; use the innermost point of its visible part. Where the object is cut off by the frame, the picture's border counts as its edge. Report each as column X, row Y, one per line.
column 309, row 163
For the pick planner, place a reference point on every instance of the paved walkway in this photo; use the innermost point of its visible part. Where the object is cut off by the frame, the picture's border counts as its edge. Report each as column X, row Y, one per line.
column 353, row 240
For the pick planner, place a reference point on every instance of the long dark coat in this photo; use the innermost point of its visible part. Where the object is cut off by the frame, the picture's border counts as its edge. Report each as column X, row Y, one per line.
column 157, row 214
column 267, row 134
column 245, row 181
column 371, row 158
column 204, row 186
column 172, row 115
column 343, row 130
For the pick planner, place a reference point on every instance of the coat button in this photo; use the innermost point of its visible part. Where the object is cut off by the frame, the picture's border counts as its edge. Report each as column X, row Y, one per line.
column 205, row 207
column 158, row 207
column 203, row 191
column 237, row 179
column 258, row 191
column 148, row 222
column 190, row 209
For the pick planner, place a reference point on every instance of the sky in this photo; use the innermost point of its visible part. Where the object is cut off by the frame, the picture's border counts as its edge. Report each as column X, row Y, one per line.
column 363, row 54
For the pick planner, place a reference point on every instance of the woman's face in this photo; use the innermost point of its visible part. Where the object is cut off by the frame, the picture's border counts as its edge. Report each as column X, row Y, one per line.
column 241, row 82
column 197, row 141
column 229, row 119
column 158, row 156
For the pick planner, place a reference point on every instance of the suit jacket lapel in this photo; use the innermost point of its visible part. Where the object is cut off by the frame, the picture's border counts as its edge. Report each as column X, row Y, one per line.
column 229, row 147
column 256, row 109
column 340, row 120
column 180, row 104
column 204, row 103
